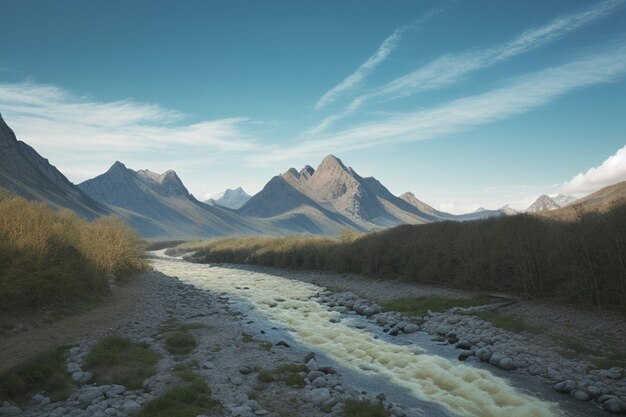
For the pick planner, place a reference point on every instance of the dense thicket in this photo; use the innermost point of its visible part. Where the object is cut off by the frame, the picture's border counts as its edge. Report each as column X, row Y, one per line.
column 582, row 261
column 49, row 257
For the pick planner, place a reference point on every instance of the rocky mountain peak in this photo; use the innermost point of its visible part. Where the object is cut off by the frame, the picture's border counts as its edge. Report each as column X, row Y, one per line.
column 331, row 164
column 307, row 171
column 7, row 137
column 543, row 203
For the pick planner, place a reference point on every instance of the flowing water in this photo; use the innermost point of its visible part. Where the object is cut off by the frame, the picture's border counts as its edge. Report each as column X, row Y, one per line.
column 459, row 388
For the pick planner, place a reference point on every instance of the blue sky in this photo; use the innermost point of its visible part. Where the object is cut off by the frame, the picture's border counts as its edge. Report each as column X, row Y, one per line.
column 464, row 103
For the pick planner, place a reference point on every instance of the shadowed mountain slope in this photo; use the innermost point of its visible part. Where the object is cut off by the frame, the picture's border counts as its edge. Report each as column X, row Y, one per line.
column 598, row 202
column 26, row 173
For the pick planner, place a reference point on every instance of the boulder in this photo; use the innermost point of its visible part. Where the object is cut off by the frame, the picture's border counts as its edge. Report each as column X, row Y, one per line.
column 507, row 364
column 10, row 410
column 565, row 387
column 410, row 328
column 614, row 405
column 580, row 395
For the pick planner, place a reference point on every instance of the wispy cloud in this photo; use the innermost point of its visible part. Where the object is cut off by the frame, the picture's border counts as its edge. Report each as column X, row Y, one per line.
column 76, row 131
column 520, row 96
column 366, row 68
column 450, row 69
column 611, row 171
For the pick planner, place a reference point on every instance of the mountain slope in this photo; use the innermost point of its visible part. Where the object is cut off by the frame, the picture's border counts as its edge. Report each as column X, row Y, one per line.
column 26, row 173
column 337, row 196
column 160, row 205
column 232, row 199
column 598, row 202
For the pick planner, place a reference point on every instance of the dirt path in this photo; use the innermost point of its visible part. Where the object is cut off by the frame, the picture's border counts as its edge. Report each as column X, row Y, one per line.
column 70, row 330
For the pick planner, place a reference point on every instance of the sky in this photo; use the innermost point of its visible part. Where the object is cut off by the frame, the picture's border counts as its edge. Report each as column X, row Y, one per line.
column 463, row 103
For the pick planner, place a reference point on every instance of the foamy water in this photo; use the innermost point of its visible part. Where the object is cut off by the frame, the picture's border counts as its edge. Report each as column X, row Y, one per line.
column 460, row 388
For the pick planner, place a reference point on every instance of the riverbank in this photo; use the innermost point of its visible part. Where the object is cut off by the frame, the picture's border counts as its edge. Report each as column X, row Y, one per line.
column 249, row 372
column 258, row 357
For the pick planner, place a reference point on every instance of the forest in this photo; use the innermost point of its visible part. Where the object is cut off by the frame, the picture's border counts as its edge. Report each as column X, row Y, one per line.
column 581, row 262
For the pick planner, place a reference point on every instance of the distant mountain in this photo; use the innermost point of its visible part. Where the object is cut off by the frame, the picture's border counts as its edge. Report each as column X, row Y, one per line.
column 508, row 210
column 26, row 173
column 160, row 205
column 329, row 199
column 564, row 200
column 543, row 203
column 598, row 202
column 480, row 213
column 232, row 199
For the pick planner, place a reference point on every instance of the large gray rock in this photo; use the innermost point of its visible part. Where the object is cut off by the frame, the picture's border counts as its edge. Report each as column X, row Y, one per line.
column 130, row 407
column 565, row 387
column 614, row 405
column 410, row 328
column 10, row 410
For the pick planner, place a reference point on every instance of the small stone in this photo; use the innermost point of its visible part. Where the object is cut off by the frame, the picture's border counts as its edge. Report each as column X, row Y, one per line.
column 236, row 380
column 311, row 365
column 314, row 374
column 565, row 387
column 77, row 376
column 593, row 391
column 110, row 411
column 10, row 410
column 614, row 405
column 463, row 344
column 506, row 364
column 130, row 407
column 73, row 367
column 115, row 390
column 464, row 355
column 484, row 354
column 245, row 370
column 410, row 328
column 580, row 395
column 320, row 382
column 37, row 398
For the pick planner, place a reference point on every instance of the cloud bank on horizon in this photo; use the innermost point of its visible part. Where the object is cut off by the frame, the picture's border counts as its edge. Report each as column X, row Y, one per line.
column 84, row 134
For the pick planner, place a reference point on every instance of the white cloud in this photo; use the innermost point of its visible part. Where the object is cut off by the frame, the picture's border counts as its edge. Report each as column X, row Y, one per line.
column 522, row 95
column 81, row 135
column 612, row 170
column 450, row 69
column 366, row 68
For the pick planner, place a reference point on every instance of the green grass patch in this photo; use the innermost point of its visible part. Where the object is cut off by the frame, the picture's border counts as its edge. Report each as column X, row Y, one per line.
column 509, row 322
column 355, row 408
column 180, row 342
column 573, row 348
column 265, row 376
column 117, row 360
column 288, row 373
column 45, row 372
column 419, row 306
column 173, row 326
column 192, row 397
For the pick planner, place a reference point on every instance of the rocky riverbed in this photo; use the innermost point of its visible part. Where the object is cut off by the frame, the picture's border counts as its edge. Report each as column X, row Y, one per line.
column 353, row 351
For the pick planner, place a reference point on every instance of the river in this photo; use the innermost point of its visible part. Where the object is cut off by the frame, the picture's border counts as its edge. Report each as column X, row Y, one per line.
column 456, row 388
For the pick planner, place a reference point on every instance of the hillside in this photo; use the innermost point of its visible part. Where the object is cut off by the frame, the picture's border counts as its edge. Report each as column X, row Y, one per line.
column 601, row 201
column 26, row 173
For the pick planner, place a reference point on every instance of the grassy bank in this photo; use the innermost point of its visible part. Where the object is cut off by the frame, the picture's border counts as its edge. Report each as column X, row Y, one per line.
column 50, row 258
column 581, row 262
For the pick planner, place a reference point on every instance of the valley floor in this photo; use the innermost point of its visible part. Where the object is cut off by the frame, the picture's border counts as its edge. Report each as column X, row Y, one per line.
column 255, row 368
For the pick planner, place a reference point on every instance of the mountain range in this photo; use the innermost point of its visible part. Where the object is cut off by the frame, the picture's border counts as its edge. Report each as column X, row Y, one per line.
column 160, row 205
column 325, row 200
